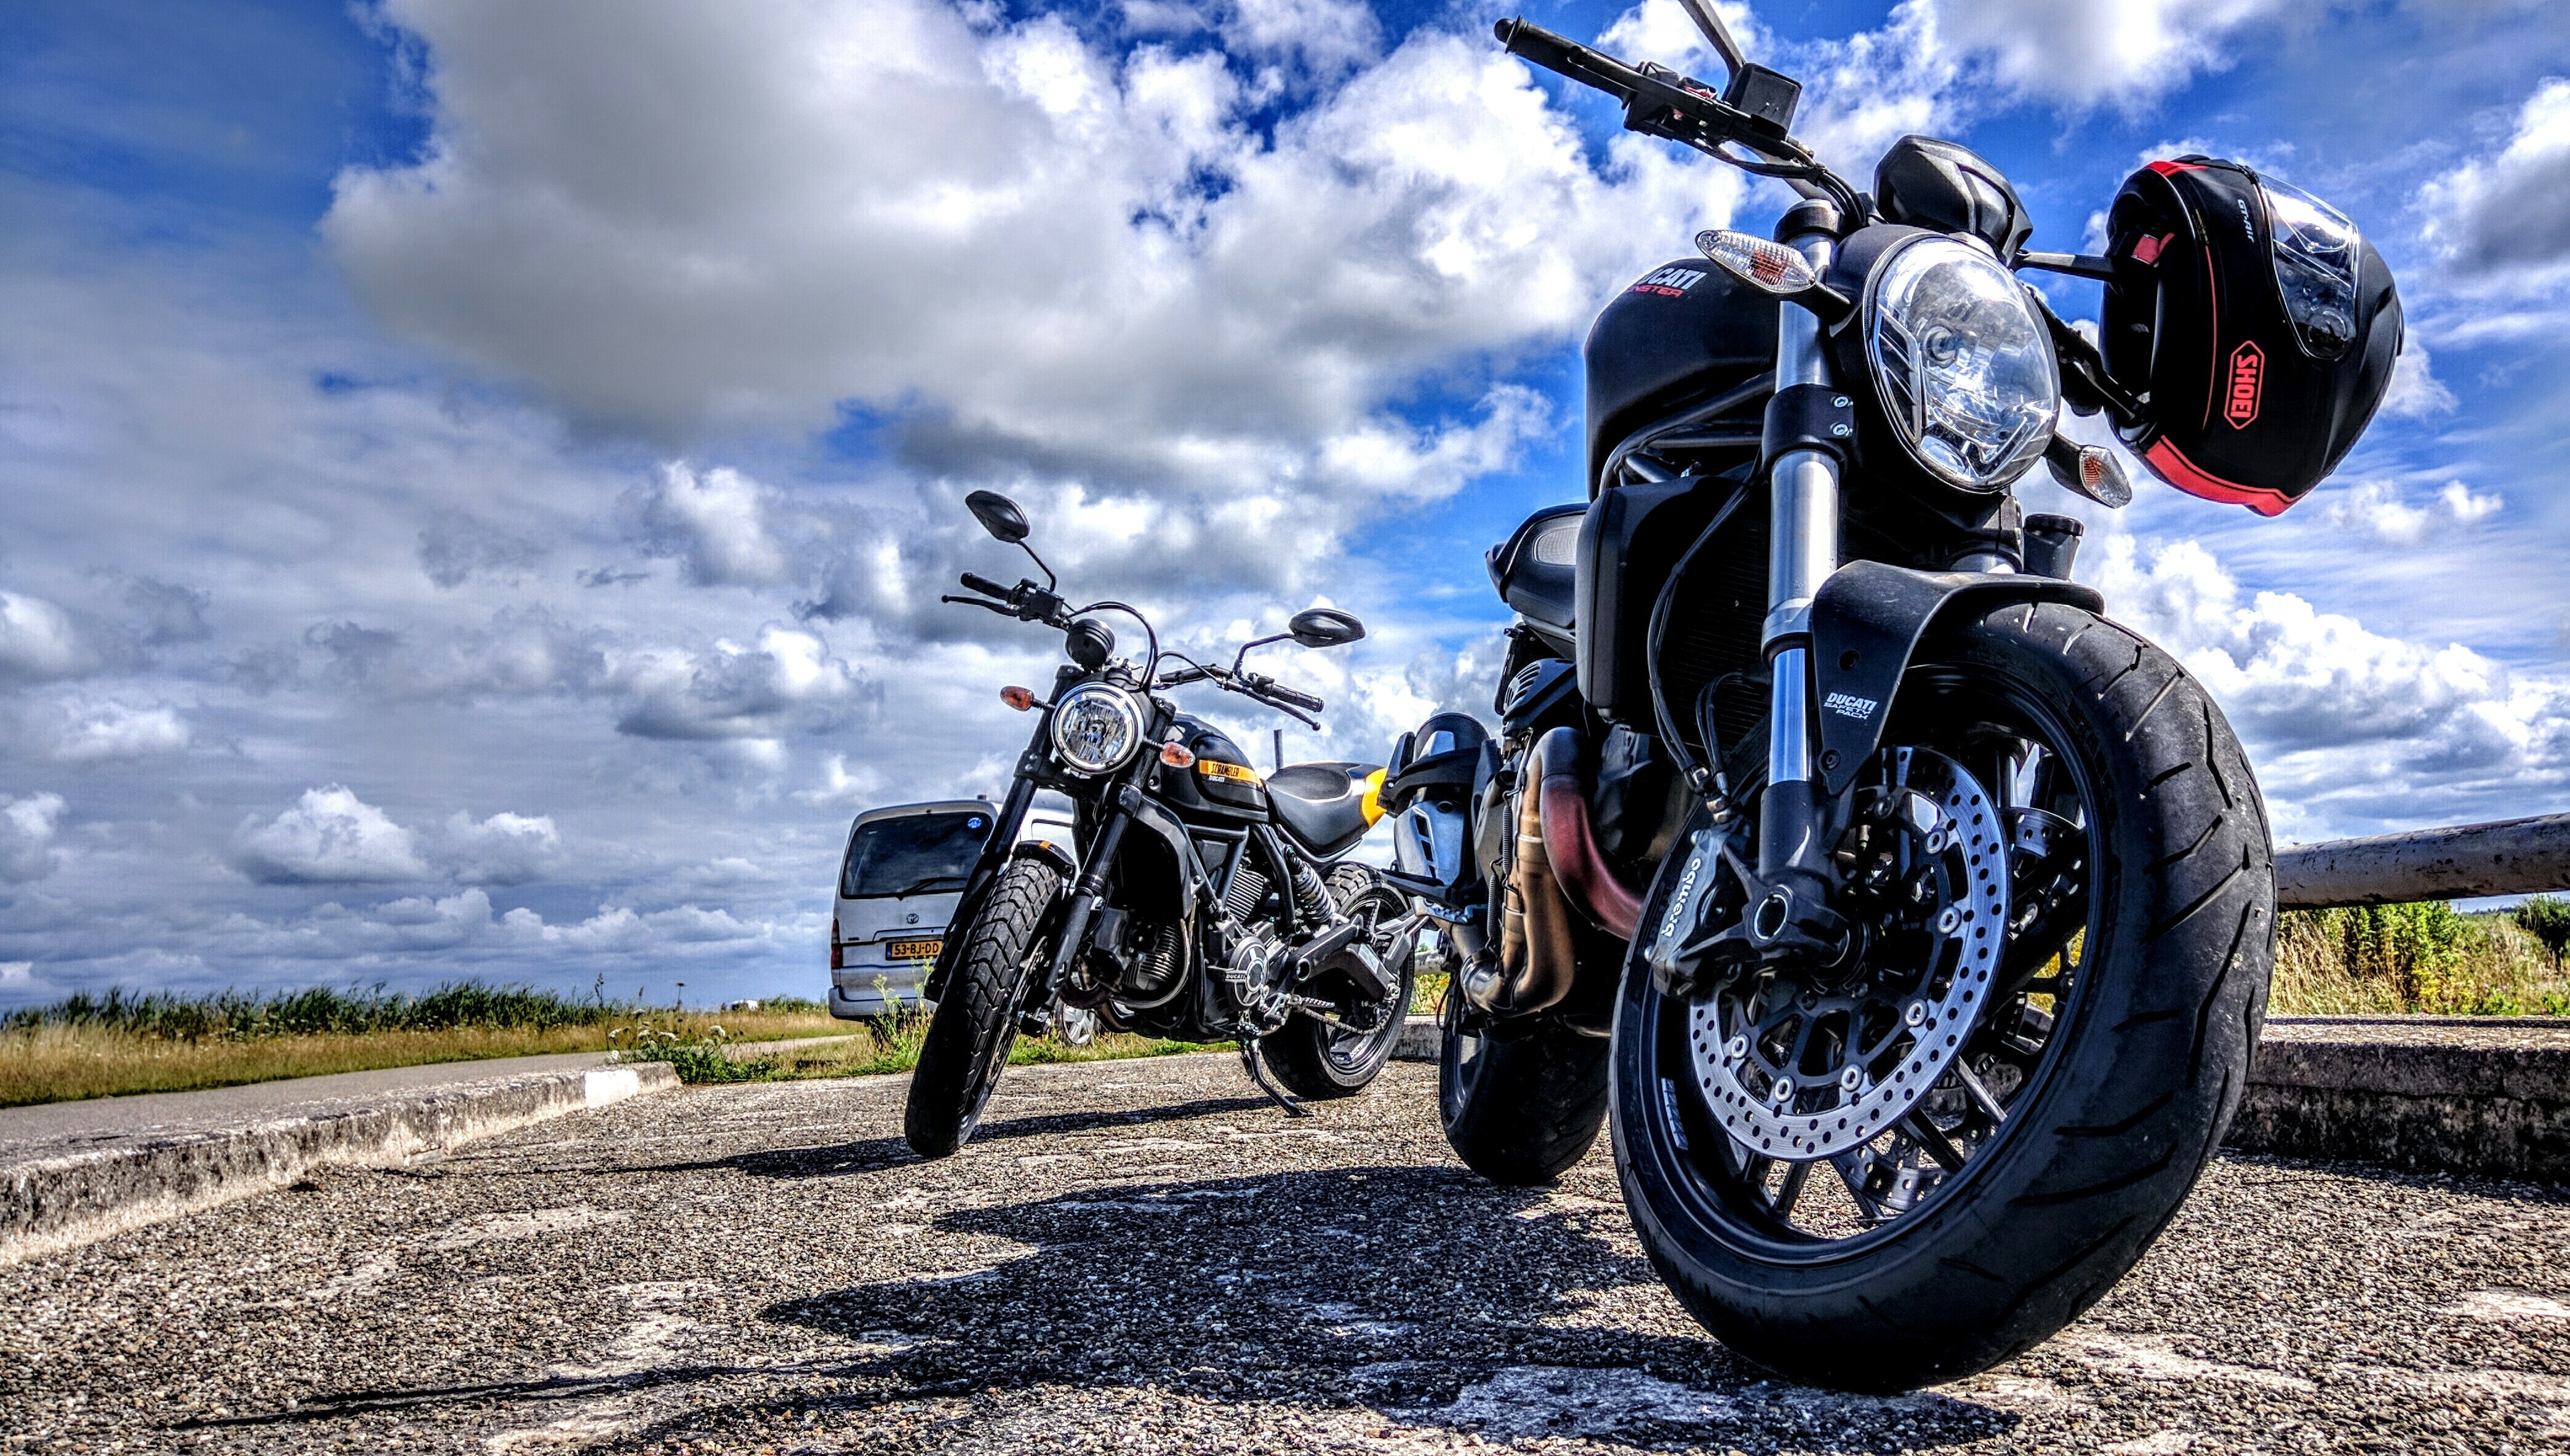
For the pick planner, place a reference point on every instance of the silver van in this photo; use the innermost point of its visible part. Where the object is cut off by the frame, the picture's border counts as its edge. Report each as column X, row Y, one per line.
column 898, row 883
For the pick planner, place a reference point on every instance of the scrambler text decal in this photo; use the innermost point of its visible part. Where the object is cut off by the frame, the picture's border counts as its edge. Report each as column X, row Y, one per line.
column 1848, row 705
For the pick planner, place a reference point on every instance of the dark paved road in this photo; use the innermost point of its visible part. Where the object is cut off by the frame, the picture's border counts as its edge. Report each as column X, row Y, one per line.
column 1143, row 1258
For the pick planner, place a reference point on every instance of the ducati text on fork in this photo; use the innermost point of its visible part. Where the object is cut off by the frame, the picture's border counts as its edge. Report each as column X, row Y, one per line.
column 1197, row 900
column 1908, row 921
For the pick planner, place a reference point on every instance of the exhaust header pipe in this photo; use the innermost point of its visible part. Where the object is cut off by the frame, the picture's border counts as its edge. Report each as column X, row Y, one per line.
column 1570, row 841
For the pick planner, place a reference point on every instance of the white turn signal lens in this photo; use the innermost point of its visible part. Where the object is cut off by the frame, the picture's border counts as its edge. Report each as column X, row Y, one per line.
column 1769, row 267
column 2097, row 475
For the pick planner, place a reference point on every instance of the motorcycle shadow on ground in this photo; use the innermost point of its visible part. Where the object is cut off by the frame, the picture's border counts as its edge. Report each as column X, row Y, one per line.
column 1417, row 1296
column 868, row 1154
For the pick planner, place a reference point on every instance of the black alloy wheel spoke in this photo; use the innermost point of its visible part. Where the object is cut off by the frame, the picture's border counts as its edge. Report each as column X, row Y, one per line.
column 1790, row 1190
column 1849, row 1165
column 1929, row 1135
column 1990, row 1105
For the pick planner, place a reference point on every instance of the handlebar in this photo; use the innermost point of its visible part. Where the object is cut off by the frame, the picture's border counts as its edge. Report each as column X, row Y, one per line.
column 1659, row 102
column 1026, row 601
column 1248, row 685
column 1656, row 101
column 1290, row 696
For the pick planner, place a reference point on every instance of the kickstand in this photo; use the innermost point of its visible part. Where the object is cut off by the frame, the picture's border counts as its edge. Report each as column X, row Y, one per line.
column 1257, row 1070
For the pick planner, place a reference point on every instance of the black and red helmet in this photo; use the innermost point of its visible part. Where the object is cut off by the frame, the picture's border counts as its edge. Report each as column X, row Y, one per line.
column 2256, row 322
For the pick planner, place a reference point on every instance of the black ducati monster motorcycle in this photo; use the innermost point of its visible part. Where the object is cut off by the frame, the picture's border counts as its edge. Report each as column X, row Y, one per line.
column 1907, row 920
column 1199, row 900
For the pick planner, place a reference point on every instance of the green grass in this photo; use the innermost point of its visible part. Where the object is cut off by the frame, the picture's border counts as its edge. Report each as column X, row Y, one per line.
column 2416, row 959
column 86, row 1046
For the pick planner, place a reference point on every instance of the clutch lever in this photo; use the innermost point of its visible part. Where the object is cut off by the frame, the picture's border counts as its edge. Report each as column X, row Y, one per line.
column 979, row 602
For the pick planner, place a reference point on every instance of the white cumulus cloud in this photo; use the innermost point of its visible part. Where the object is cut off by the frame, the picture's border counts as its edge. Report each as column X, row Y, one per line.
column 716, row 522
column 27, row 827
column 95, row 730
column 329, row 836
column 2378, row 508
column 504, row 850
column 2509, row 212
column 2344, row 724
column 39, row 641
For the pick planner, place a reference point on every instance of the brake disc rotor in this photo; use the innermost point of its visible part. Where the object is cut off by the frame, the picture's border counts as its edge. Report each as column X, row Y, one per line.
column 1797, row 1072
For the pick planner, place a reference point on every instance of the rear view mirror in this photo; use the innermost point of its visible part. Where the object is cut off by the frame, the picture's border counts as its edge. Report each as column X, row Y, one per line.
column 999, row 515
column 1325, row 627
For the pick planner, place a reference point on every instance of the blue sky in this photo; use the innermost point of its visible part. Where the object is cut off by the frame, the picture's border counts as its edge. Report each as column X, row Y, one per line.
column 474, row 477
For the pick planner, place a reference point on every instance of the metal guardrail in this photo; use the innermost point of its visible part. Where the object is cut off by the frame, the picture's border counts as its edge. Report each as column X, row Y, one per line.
column 2509, row 857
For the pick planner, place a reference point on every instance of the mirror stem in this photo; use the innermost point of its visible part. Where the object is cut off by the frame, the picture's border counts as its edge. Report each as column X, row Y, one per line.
column 1050, row 581
column 1709, row 20
column 1243, row 655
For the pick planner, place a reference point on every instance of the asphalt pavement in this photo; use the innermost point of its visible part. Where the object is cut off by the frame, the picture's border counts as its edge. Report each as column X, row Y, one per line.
column 1145, row 1257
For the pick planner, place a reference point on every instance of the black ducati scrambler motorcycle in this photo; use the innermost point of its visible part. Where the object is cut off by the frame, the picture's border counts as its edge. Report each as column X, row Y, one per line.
column 1199, row 901
column 1908, row 921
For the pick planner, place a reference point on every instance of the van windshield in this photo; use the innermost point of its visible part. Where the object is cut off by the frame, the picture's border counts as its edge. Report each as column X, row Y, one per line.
column 913, row 854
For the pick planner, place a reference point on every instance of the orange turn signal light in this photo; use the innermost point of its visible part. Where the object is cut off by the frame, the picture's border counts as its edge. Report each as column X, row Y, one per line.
column 1021, row 699
column 1177, row 756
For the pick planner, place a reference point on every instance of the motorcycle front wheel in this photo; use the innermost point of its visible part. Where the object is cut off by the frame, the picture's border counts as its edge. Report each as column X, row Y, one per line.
column 2085, row 1089
column 968, row 1040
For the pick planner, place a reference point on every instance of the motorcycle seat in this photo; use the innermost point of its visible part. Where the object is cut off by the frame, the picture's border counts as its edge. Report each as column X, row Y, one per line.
column 1321, row 805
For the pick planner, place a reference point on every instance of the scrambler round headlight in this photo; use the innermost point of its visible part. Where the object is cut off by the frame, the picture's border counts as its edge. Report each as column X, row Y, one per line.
column 1096, row 727
column 1965, row 366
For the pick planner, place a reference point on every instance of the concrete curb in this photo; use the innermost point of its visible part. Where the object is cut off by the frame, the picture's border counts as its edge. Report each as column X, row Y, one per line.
column 1420, row 1040
column 2488, row 1097
column 62, row 1196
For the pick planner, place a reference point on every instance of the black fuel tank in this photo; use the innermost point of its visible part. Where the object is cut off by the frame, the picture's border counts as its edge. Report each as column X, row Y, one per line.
column 1685, row 332
column 1221, row 785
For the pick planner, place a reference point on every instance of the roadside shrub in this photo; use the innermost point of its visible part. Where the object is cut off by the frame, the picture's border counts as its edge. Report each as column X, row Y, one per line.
column 695, row 1059
column 313, row 1011
column 2547, row 919
column 2423, row 958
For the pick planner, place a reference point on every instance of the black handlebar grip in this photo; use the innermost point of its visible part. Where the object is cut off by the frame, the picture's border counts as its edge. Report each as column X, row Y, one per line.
column 985, row 585
column 1298, row 699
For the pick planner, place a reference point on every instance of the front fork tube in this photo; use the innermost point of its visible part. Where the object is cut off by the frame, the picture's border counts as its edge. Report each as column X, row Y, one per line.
column 1803, row 504
column 1123, row 803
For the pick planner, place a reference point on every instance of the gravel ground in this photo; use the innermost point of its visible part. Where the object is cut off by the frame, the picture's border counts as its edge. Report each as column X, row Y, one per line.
column 1144, row 1256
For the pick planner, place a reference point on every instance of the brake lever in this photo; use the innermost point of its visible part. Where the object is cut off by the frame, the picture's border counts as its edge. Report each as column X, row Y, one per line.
column 978, row 602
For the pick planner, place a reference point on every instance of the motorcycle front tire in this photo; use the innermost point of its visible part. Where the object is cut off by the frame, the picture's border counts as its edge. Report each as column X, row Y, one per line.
column 968, row 1039
column 2106, row 1144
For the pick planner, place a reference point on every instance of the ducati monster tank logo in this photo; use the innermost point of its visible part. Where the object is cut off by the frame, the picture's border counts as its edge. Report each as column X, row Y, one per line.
column 1670, row 283
column 1845, row 705
column 2248, row 377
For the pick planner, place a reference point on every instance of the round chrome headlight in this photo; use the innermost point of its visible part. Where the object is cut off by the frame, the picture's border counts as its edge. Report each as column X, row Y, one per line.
column 1965, row 366
column 1096, row 727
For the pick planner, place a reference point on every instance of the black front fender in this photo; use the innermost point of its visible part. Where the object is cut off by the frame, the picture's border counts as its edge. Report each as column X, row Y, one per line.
column 1866, row 622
